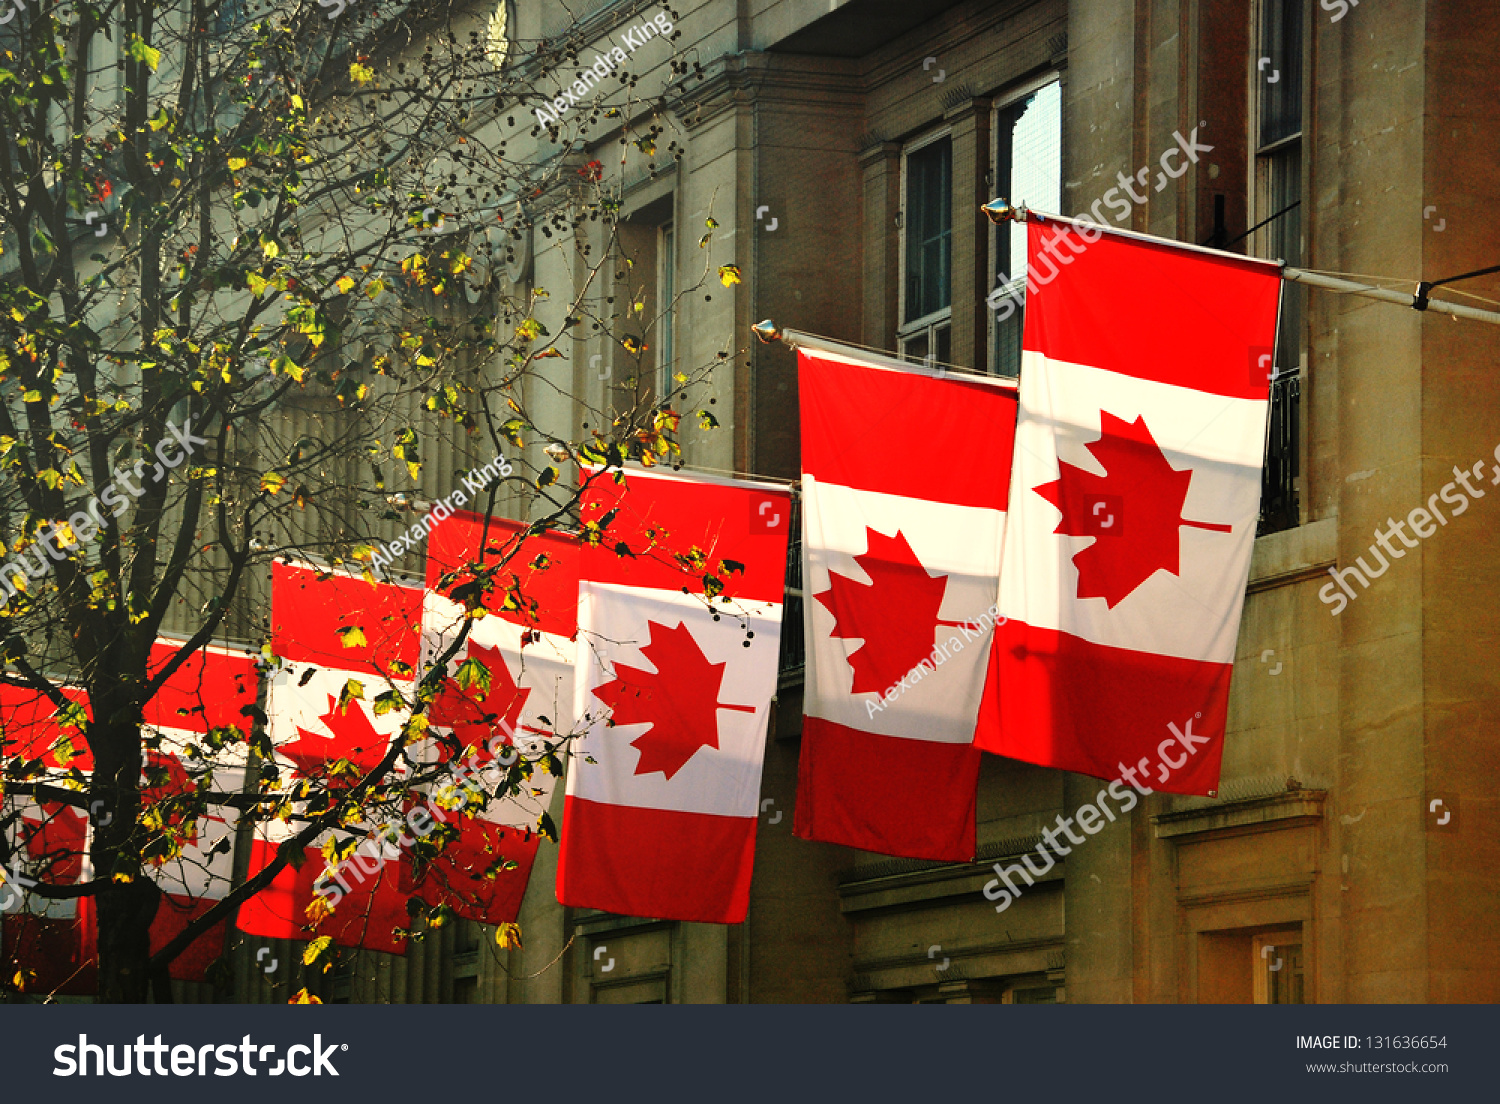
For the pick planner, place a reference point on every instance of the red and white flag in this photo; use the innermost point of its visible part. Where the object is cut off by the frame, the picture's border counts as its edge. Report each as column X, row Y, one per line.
column 679, row 620
column 525, row 648
column 344, row 642
column 50, row 944
column 1134, row 499
column 193, row 719
column 902, row 566
column 190, row 861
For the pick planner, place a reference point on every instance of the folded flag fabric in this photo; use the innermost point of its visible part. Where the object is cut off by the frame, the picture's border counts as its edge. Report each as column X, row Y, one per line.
column 199, row 721
column 348, row 650
column 47, row 945
column 1133, row 507
column 902, row 571
column 510, row 684
column 679, row 616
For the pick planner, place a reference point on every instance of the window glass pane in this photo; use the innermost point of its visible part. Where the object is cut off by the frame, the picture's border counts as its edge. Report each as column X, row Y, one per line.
column 666, row 293
column 1281, row 41
column 915, row 347
column 1028, row 165
column 1286, row 244
column 929, row 228
column 1028, row 170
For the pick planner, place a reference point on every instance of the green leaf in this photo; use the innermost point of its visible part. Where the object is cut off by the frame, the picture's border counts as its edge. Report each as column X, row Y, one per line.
column 471, row 673
column 139, row 51
column 353, row 690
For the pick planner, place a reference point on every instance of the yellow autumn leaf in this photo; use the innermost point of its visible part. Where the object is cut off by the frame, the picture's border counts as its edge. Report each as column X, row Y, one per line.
column 315, row 948
column 238, row 163
column 508, row 936
column 360, row 74
column 304, row 997
column 272, row 482
column 729, row 275
column 345, row 284
column 353, row 636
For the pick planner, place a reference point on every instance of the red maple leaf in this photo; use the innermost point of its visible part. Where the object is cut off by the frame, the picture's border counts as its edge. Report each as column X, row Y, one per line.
column 895, row 613
column 1134, row 510
column 473, row 714
column 353, row 738
column 680, row 701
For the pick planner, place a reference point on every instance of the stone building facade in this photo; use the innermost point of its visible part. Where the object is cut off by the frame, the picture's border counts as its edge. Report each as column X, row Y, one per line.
column 843, row 148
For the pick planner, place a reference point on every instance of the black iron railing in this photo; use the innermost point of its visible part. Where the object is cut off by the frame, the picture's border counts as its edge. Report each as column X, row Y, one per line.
column 1278, row 491
column 793, row 646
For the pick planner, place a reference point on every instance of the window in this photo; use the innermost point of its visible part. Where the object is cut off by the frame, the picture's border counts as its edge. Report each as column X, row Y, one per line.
column 1278, row 195
column 1278, row 968
column 927, row 290
column 666, row 293
column 1028, row 170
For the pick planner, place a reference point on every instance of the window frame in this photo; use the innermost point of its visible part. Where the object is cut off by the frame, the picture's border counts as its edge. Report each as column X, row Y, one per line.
column 1260, row 969
column 931, row 324
column 1283, row 492
column 666, row 306
column 997, row 255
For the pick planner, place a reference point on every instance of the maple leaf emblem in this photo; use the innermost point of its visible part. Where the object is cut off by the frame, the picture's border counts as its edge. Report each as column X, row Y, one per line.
column 895, row 613
column 1140, row 497
column 353, row 738
column 473, row 713
column 680, row 701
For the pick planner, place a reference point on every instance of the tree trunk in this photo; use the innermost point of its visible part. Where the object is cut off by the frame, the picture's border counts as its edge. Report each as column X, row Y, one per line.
column 127, row 903
column 125, row 915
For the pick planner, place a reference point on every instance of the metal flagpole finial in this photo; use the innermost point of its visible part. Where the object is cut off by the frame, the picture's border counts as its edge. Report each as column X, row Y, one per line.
column 768, row 331
column 999, row 211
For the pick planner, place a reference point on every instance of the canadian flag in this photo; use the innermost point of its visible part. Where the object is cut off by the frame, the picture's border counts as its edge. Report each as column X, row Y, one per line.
column 345, row 643
column 199, row 721
column 524, row 648
column 679, row 620
column 191, row 861
column 902, row 573
column 1134, row 498
column 49, row 944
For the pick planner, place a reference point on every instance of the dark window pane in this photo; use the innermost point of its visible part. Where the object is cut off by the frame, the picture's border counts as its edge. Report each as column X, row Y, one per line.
column 929, row 228
column 1281, row 41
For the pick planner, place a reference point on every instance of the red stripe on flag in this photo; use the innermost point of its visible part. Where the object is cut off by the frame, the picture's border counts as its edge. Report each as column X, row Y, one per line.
column 656, row 863
column 722, row 521
column 29, row 728
column 367, row 916
column 51, row 955
column 1099, row 311
column 207, row 691
column 911, row 798
column 1070, row 704
column 861, row 426
column 456, row 878
column 307, row 611
column 554, row 588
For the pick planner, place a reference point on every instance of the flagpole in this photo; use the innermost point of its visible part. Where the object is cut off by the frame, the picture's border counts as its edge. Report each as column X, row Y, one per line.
column 1000, row 212
column 768, row 331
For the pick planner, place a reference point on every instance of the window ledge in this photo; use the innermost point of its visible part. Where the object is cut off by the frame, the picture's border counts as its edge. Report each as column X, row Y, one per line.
column 1284, row 809
column 1293, row 555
